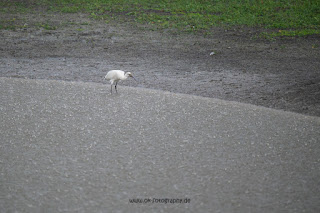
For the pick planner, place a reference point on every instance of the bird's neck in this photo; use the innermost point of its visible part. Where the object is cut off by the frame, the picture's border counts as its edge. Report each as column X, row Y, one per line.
column 124, row 77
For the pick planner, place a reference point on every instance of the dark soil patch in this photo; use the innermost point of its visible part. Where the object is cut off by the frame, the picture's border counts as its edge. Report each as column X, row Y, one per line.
column 228, row 64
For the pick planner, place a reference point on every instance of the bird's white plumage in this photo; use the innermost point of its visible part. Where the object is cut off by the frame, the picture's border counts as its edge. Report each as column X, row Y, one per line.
column 114, row 76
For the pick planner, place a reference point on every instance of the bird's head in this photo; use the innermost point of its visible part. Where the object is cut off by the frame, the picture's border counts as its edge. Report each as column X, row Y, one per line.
column 129, row 74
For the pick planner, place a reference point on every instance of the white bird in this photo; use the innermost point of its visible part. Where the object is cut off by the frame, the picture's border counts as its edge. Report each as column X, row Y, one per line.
column 117, row 75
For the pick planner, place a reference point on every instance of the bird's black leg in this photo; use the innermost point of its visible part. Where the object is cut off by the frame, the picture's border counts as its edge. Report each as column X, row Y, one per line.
column 116, row 87
column 111, row 88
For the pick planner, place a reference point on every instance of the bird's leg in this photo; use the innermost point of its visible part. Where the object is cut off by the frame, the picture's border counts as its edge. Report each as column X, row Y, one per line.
column 116, row 87
column 111, row 88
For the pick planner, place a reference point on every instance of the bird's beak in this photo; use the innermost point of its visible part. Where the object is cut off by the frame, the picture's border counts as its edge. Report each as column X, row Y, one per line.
column 134, row 78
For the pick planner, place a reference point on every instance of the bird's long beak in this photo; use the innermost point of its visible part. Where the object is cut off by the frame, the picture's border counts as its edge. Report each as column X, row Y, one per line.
column 134, row 78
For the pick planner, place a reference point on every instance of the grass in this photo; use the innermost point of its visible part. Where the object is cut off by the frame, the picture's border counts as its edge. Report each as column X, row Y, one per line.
column 46, row 26
column 284, row 17
column 8, row 24
column 290, row 33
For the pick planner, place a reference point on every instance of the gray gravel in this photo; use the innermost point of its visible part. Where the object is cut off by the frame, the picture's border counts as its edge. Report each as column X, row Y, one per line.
column 73, row 147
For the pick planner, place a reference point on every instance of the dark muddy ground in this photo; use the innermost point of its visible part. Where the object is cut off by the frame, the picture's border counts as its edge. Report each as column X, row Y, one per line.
column 281, row 74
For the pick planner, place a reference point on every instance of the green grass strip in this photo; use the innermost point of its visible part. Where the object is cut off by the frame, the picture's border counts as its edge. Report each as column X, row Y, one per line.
column 294, row 17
